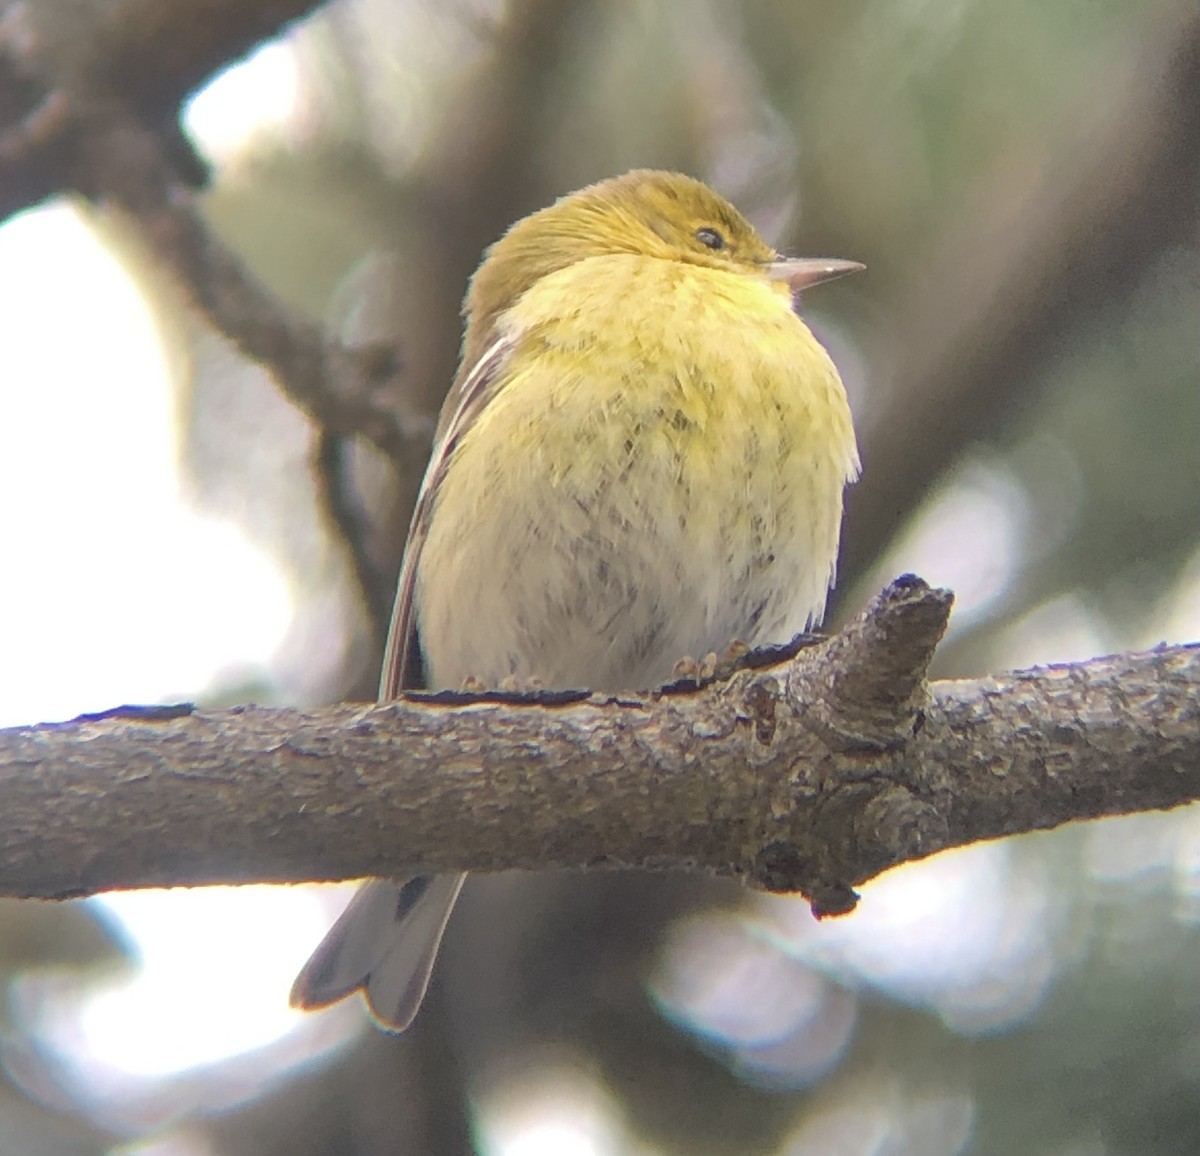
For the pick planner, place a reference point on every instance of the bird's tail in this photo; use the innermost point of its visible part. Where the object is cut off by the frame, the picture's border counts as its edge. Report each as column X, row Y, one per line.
column 384, row 943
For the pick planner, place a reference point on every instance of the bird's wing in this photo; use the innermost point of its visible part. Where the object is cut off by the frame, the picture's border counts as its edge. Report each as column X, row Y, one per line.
column 387, row 938
column 466, row 401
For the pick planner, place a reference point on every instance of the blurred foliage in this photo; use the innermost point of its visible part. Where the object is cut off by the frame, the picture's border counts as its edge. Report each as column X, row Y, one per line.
column 873, row 129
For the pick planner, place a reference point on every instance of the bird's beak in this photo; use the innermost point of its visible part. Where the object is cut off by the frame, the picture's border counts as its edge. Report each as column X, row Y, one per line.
column 805, row 272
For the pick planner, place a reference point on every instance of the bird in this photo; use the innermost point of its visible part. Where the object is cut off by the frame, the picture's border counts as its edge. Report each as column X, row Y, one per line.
column 642, row 457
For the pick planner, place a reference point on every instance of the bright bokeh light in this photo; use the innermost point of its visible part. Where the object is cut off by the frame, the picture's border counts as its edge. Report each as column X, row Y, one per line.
column 736, row 987
column 117, row 592
column 956, row 933
column 258, row 95
column 209, row 985
column 548, row 1105
column 200, row 1024
column 973, row 935
column 1143, row 853
column 1179, row 616
column 562, row 1137
column 1063, row 629
column 178, row 1142
column 881, row 1117
column 967, row 537
column 785, row 1023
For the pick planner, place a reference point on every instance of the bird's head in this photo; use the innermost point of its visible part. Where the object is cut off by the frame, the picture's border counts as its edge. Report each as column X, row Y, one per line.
column 648, row 213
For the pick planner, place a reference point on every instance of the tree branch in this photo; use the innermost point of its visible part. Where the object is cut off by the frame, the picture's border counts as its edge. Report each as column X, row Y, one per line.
column 813, row 772
column 140, row 58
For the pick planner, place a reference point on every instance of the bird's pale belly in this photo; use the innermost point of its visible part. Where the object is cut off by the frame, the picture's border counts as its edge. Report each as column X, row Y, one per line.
column 605, row 578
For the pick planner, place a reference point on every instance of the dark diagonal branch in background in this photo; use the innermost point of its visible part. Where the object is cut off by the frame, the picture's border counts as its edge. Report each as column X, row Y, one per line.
column 812, row 774
column 1039, row 255
column 89, row 102
column 345, row 391
column 342, row 509
column 141, row 56
column 94, row 110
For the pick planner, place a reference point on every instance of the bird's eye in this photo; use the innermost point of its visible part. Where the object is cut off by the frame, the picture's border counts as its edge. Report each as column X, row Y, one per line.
column 710, row 238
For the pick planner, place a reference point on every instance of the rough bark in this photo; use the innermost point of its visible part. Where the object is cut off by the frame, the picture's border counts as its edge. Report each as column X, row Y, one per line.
column 811, row 770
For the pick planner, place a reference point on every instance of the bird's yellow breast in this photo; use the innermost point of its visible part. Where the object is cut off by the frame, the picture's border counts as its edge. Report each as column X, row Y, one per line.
column 660, row 472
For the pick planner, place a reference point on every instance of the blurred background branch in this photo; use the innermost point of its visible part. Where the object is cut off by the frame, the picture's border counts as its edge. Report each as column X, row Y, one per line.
column 1051, row 242
column 141, row 57
column 95, row 92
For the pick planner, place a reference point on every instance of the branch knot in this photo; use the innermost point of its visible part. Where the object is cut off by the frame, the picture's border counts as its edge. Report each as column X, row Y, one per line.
column 864, row 689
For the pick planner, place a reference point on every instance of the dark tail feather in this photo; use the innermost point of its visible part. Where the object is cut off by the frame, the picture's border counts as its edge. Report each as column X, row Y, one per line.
column 385, row 944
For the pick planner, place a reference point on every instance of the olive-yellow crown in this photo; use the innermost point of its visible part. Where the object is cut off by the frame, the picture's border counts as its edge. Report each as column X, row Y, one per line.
column 645, row 212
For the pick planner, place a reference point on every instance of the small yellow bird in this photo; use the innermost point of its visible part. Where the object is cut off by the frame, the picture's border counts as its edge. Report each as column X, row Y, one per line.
column 642, row 457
